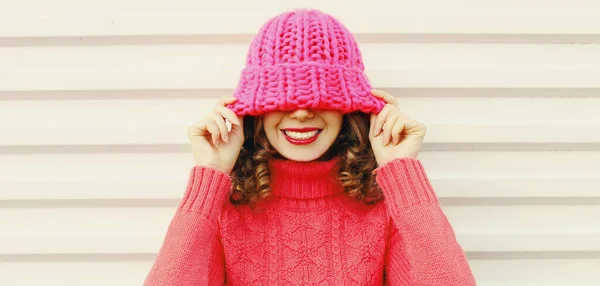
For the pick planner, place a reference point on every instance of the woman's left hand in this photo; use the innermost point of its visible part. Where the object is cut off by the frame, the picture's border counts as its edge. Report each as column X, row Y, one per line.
column 393, row 134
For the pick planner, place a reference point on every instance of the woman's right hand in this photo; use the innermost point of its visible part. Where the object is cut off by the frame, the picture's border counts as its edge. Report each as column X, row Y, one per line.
column 212, row 144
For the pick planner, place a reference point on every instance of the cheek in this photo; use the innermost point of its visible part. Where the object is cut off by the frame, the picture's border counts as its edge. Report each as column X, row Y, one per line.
column 272, row 135
column 272, row 119
column 268, row 123
column 336, row 131
column 270, row 128
column 335, row 123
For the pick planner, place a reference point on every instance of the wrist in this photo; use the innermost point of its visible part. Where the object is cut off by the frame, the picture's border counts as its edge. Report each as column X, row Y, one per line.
column 405, row 183
column 381, row 163
column 214, row 167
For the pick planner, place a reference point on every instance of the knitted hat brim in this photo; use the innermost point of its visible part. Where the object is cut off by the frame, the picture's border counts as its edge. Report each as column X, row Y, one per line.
column 303, row 86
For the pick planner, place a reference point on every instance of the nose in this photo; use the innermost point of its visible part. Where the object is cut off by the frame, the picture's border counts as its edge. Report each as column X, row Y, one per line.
column 301, row 114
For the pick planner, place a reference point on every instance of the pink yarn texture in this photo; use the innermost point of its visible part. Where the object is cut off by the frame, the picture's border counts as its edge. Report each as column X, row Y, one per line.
column 304, row 59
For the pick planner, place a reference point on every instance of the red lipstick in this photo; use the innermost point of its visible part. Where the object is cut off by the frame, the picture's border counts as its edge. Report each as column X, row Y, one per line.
column 296, row 141
column 303, row 129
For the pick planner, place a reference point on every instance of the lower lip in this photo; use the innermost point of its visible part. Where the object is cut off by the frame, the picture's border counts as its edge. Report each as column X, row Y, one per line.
column 300, row 141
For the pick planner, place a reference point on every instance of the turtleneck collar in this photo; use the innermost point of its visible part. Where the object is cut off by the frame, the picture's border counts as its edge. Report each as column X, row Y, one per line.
column 304, row 180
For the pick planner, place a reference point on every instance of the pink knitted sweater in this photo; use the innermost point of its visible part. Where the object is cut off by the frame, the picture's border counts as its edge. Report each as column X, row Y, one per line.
column 310, row 233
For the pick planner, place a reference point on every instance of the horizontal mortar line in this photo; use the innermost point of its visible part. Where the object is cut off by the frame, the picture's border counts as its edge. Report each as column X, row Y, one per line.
column 185, row 148
column 97, row 149
column 90, row 203
column 120, row 257
column 521, row 201
column 217, row 93
column 116, row 94
column 520, row 255
column 78, row 257
column 512, row 147
column 194, row 39
column 173, row 202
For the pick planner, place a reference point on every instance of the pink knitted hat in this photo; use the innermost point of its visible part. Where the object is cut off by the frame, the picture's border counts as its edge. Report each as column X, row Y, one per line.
column 304, row 59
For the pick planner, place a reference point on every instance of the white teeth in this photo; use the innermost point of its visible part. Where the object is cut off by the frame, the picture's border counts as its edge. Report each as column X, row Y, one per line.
column 301, row 135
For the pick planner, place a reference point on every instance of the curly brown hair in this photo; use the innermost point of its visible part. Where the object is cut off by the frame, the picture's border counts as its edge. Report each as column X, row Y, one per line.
column 251, row 175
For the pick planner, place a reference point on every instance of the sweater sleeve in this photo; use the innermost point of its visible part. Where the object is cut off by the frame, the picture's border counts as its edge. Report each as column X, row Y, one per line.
column 191, row 252
column 422, row 246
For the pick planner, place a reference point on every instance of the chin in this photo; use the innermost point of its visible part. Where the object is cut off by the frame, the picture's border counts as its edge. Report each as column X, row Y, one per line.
column 301, row 156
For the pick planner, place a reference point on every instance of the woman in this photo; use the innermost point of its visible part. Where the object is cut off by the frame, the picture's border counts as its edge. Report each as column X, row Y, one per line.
column 307, row 176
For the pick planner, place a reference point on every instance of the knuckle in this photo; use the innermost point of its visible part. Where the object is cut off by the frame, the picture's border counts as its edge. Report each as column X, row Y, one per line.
column 192, row 127
column 215, row 117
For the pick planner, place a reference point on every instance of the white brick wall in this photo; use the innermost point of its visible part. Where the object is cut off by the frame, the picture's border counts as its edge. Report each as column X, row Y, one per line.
column 95, row 97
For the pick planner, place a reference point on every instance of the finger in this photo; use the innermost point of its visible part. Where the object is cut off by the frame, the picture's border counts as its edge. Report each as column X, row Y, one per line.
column 387, row 128
column 373, row 119
column 381, row 117
column 414, row 128
column 227, row 114
column 397, row 131
column 385, row 96
column 225, row 100
column 220, row 122
column 390, row 100
column 241, row 121
column 196, row 129
column 237, row 128
column 212, row 128
column 403, row 115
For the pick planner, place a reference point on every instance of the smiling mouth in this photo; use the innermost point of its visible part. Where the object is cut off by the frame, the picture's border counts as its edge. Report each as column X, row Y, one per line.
column 301, row 136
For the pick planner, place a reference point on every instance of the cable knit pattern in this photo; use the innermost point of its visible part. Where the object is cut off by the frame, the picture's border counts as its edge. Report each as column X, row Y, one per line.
column 310, row 233
column 304, row 59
